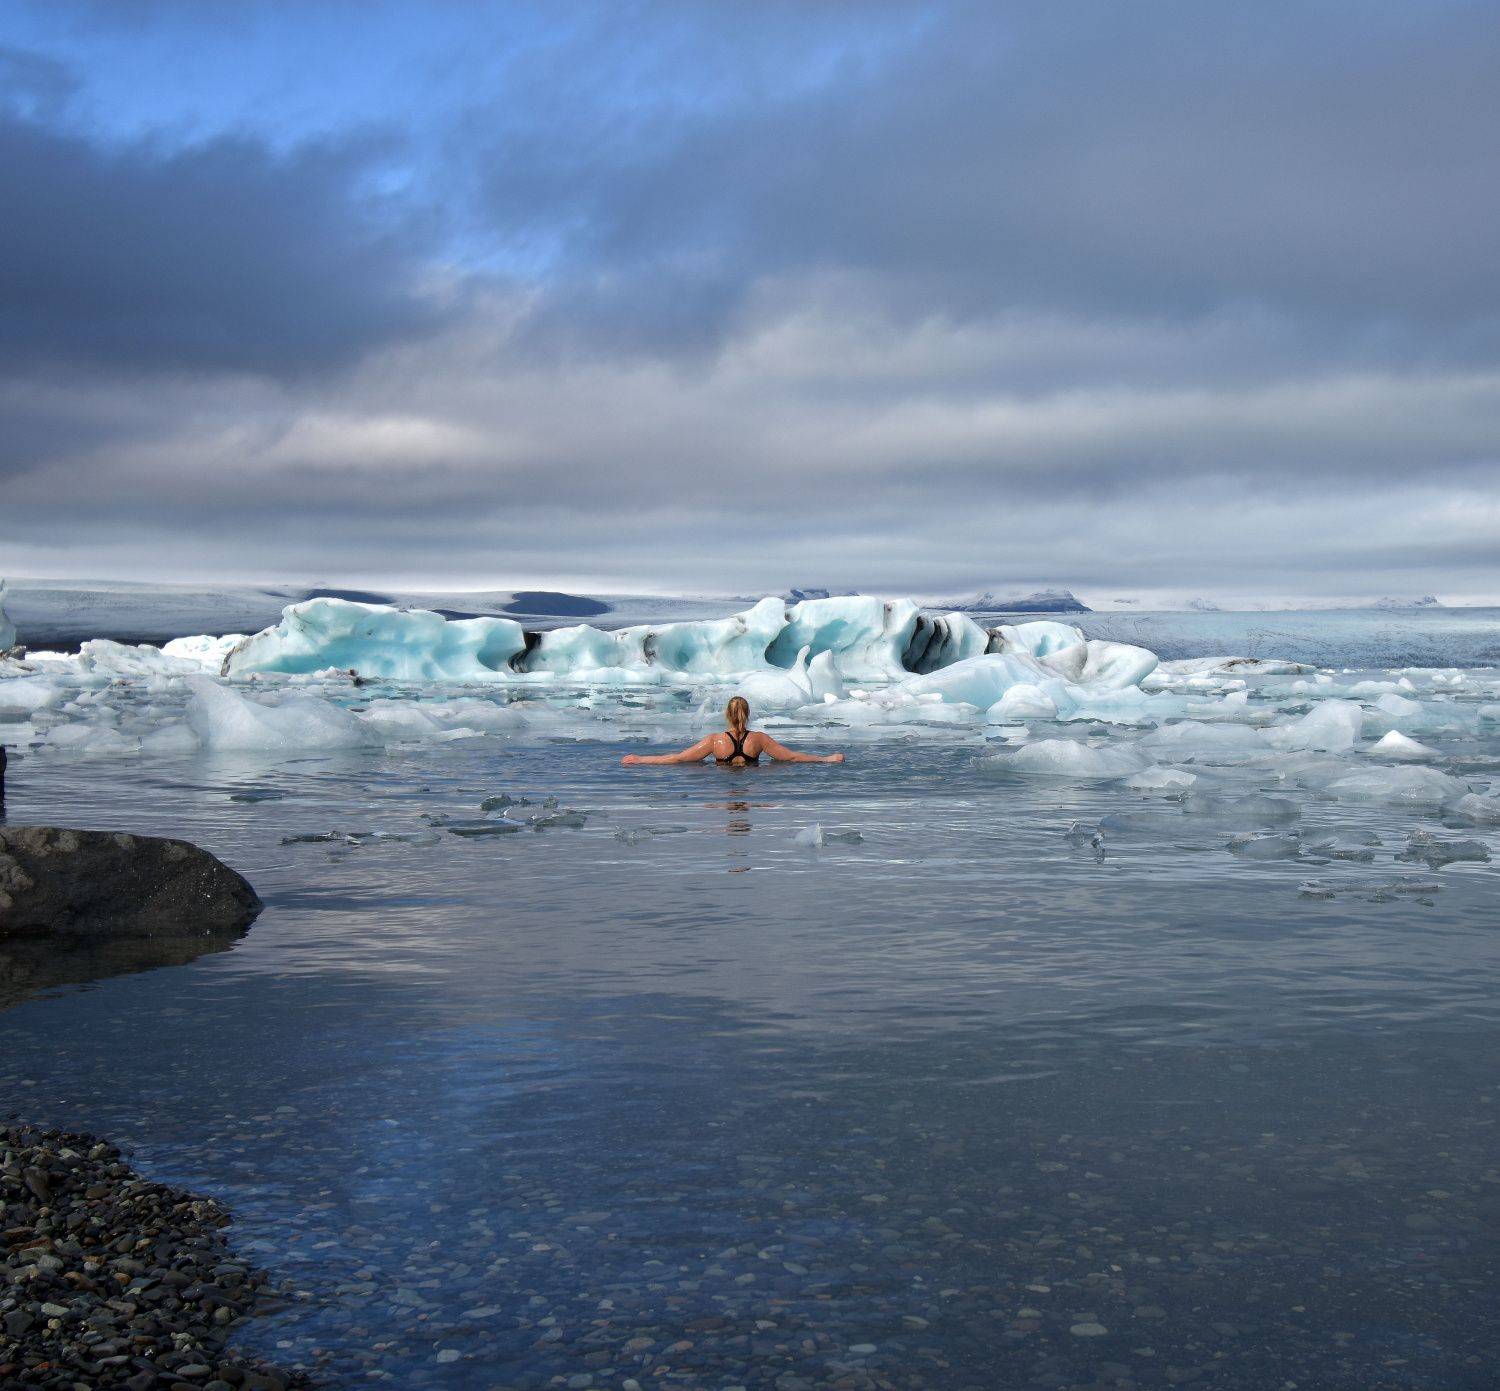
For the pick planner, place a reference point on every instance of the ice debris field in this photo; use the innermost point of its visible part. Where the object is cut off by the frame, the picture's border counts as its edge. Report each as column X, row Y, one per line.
column 1243, row 740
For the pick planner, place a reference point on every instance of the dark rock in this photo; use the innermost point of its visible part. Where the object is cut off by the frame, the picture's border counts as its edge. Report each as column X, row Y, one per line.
column 55, row 881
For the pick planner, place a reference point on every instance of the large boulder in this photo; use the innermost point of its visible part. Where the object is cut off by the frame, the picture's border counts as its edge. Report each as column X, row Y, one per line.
column 108, row 884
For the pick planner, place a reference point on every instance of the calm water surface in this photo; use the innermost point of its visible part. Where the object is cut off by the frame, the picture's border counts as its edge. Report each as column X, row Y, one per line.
column 965, row 1103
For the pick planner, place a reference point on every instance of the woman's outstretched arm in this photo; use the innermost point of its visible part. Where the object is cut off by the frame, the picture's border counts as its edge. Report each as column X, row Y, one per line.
column 782, row 754
column 699, row 751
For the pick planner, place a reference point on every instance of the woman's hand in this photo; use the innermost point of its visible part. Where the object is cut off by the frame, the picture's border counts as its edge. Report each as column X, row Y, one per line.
column 631, row 758
column 833, row 758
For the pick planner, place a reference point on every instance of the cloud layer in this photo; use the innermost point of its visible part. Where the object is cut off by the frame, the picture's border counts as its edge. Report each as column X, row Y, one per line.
column 1150, row 298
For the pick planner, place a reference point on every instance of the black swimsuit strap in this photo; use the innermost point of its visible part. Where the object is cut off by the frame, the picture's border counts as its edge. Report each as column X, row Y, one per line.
column 739, row 749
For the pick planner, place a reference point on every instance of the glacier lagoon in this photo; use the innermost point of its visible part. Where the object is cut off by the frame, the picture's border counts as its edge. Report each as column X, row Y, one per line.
column 1125, row 1024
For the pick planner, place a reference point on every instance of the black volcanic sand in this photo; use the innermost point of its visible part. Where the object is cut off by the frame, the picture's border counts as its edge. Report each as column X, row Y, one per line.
column 108, row 1279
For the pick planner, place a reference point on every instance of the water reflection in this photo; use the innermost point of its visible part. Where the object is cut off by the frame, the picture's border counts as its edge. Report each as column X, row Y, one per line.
column 907, row 1114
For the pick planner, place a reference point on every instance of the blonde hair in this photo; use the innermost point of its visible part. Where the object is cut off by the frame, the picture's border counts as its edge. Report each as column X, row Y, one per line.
column 737, row 714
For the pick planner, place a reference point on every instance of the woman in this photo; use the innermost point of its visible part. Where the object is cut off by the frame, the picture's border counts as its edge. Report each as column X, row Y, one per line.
column 737, row 746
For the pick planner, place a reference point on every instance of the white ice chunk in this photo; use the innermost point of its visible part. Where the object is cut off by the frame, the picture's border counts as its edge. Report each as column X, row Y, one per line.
column 1283, row 846
column 1419, row 786
column 401, row 721
column 981, row 681
column 1331, row 727
column 89, row 739
column 1398, row 706
column 824, row 677
column 778, row 690
column 1023, row 701
column 224, row 719
column 175, row 737
column 1104, row 665
column 1397, row 745
column 1476, row 807
column 1039, row 639
column 204, row 650
column 23, row 694
column 1159, row 779
column 108, row 658
column 1214, row 743
column 1068, row 758
column 1235, row 666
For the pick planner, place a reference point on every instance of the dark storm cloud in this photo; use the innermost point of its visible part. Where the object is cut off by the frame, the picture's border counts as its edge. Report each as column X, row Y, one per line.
column 1328, row 160
column 221, row 255
column 933, row 297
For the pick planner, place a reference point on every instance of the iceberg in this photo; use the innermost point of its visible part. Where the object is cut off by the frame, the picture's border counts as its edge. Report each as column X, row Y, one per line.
column 1067, row 758
column 815, row 644
column 378, row 640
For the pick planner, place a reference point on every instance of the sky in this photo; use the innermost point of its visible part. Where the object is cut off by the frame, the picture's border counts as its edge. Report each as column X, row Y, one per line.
column 1159, row 299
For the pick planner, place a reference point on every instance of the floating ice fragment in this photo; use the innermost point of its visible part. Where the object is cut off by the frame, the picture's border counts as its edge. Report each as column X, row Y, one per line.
column 89, row 739
column 559, row 820
column 1068, row 758
column 1342, row 848
column 634, row 835
column 1285, row 846
column 1417, row 786
column 1204, row 743
column 1430, row 850
column 499, row 803
column 1397, row 745
column 108, row 658
column 1474, row 807
column 1331, row 727
column 23, row 694
column 473, row 830
column 203, row 650
column 224, row 719
column 175, row 737
column 1159, row 779
column 824, row 678
column 1238, row 666
column 1023, row 701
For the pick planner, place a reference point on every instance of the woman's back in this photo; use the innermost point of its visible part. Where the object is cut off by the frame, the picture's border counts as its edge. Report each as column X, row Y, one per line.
column 738, row 748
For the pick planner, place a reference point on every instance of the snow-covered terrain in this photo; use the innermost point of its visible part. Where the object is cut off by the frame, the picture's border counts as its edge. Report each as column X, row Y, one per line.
column 63, row 613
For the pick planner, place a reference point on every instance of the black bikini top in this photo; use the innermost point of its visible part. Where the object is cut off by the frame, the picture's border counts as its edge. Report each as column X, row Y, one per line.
column 739, row 750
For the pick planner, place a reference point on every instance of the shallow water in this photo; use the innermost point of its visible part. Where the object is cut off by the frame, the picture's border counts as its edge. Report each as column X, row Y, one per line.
column 671, row 1097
